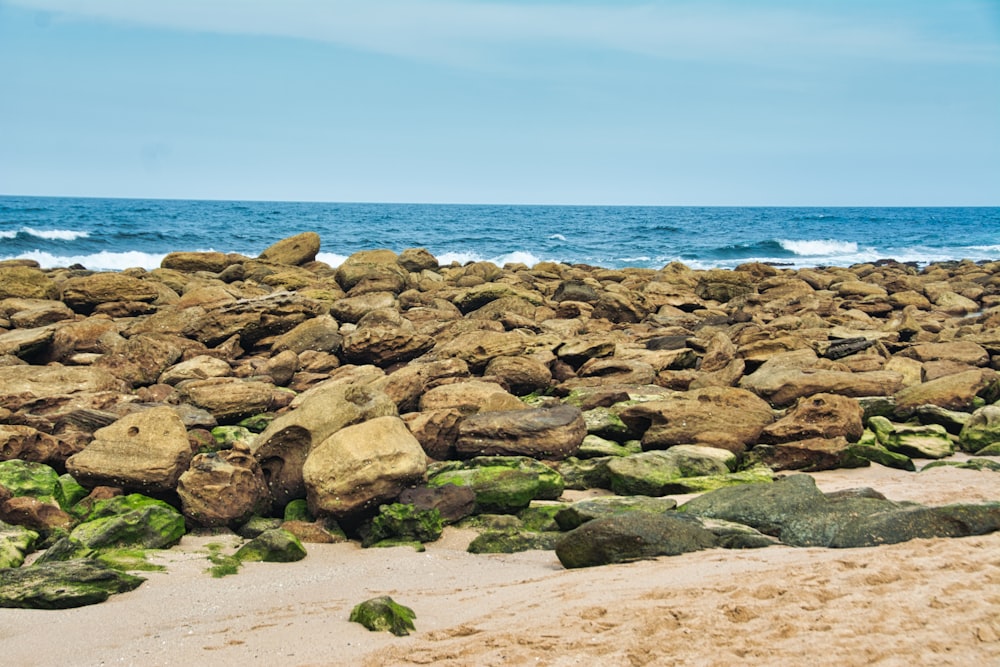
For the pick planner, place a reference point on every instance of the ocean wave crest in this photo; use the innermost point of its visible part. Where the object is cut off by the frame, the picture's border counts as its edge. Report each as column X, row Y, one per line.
column 820, row 248
column 101, row 261
column 56, row 234
column 8, row 234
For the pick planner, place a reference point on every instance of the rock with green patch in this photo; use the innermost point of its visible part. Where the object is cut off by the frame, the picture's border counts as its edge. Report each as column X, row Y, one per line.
column 631, row 536
column 63, row 585
column 971, row 464
column 16, row 542
column 583, row 474
column 876, row 453
column 605, row 423
column 502, row 484
column 227, row 436
column 541, row 517
column 257, row 423
column 403, row 522
column 298, row 510
column 133, row 520
column 795, row 511
column 929, row 441
column 71, row 491
column 594, row 446
column 26, row 478
column 981, row 430
column 581, row 512
column 383, row 614
column 256, row 525
column 509, row 542
column 272, row 546
column 656, row 473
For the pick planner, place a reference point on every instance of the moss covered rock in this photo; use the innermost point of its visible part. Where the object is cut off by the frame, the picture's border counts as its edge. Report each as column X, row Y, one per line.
column 25, row 478
column 403, row 522
column 581, row 512
column 981, row 430
column 272, row 546
column 631, row 536
column 504, row 484
column 16, row 542
column 929, row 441
column 134, row 520
column 63, row 585
column 383, row 614
column 508, row 542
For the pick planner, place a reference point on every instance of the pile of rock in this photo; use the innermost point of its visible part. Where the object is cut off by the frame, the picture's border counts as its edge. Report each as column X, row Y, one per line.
column 234, row 387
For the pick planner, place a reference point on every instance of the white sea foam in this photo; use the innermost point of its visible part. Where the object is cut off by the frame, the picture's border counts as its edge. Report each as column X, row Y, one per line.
column 331, row 258
column 8, row 234
column 56, row 234
column 101, row 261
column 825, row 248
column 463, row 257
column 986, row 248
column 516, row 257
column 557, row 237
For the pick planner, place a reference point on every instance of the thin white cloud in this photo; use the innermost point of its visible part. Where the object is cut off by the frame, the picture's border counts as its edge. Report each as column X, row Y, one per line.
column 471, row 33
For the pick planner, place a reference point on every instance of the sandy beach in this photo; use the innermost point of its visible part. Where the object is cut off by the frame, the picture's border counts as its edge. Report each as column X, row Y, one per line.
column 924, row 602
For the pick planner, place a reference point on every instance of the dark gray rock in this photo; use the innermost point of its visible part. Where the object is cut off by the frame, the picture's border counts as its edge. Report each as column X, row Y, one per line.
column 631, row 536
column 63, row 585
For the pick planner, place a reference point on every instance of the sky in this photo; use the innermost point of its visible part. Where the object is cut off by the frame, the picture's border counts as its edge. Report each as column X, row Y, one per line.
column 672, row 102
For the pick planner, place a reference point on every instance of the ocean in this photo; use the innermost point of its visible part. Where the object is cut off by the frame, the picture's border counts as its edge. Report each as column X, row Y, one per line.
column 115, row 234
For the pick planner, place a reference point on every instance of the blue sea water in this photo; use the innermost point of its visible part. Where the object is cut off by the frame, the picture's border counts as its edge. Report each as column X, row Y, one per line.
column 114, row 234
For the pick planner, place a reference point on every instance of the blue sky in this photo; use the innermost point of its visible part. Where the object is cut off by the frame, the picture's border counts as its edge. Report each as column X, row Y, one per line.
column 726, row 102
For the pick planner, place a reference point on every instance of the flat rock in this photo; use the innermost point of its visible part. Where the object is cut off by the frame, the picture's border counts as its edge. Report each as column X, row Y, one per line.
column 547, row 433
column 63, row 585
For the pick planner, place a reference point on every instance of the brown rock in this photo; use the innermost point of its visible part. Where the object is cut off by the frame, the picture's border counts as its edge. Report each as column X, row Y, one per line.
column 320, row 334
column 818, row 416
column 26, row 282
column 384, row 346
column 19, row 382
column 469, row 397
column 808, row 455
column 549, row 433
column 223, row 488
column 478, row 348
column 146, row 451
column 34, row 514
column 722, row 417
column 229, row 399
column 453, row 502
column 353, row 308
column 294, row 250
column 435, row 430
column 964, row 352
column 416, row 260
column 28, row 444
column 284, row 445
column 85, row 293
column 522, row 375
column 360, row 466
column 953, row 392
column 141, row 359
column 189, row 262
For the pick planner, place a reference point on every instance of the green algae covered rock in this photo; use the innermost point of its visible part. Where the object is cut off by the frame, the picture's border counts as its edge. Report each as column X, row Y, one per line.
column 134, row 520
column 227, row 436
column 981, row 430
column 25, row 478
column 63, row 585
column 503, row 484
column 71, row 491
column 403, row 522
column 272, row 546
column 298, row 510
column 971, row 464
column 581, row 512
column 383, row 614
column 16, row 542
column 657, row 473
column 582, row 474
column 929, row 441
column 509, row 542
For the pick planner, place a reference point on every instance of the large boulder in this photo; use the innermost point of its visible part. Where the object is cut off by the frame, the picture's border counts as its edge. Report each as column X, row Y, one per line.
column 929, row 441
column 470, row 397
column 321, row 333
column 813, row 454
column 384, row 345
column 85, row 293
column 631, row 536
column 547, row 433
column 132, row 520
column 294, row 250
column 141, row 359
column 223, row 488
column 252, row 319
column 27, row 443
column 799, row 514
column 723, row 417
column 145, row 450
column 478, row 348
column 189, row 262
column 583, row 511
column 361, row 466
column 282, row 448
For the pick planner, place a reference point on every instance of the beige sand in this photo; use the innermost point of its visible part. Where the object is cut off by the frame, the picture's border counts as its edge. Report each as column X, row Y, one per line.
column 925, row 602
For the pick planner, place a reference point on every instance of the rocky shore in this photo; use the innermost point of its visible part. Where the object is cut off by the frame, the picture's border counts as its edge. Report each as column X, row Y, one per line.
column 380, row 401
